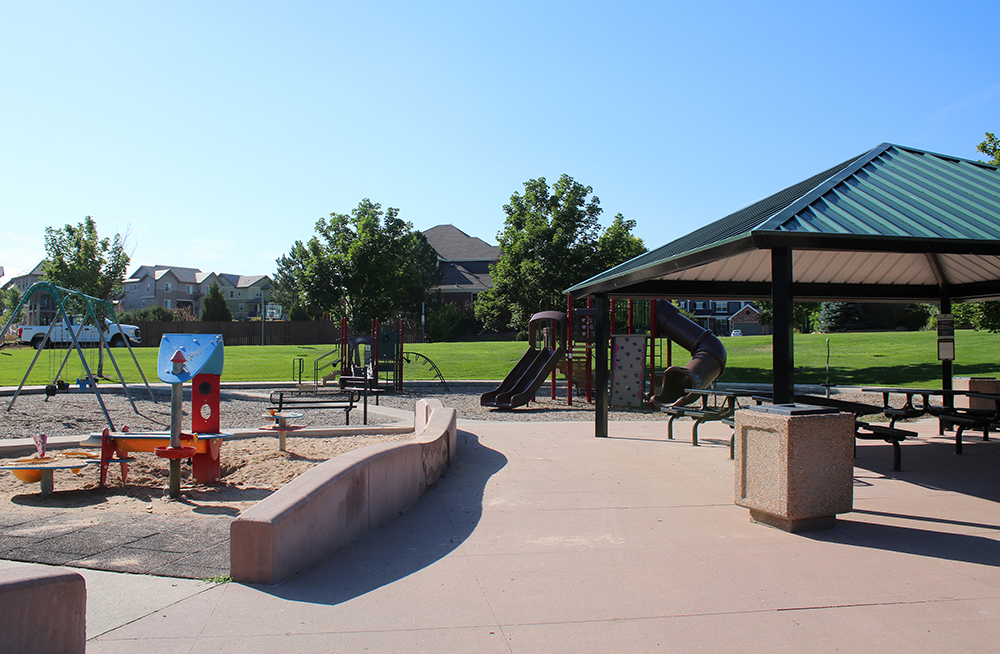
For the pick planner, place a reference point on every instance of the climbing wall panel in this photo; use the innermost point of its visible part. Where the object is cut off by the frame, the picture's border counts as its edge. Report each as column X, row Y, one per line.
column 628, row 360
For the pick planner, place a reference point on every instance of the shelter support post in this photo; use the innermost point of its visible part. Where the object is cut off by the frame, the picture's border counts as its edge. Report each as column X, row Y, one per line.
column 781, row 297
column 601, row 340
column 946, row 369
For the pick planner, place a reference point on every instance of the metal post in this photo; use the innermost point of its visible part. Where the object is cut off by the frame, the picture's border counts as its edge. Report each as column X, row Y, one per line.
column 569, row 351
column 176, row 418
column 783, row 343
column 946, row 365
column 601, row 338
column 652, row 347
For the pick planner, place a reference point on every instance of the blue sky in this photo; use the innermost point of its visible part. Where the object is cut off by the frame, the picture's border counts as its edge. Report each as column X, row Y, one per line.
column 215, row 134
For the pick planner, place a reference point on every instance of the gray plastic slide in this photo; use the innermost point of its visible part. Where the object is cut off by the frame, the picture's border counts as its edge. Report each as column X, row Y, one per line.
column 708, row 360
column 521, row 384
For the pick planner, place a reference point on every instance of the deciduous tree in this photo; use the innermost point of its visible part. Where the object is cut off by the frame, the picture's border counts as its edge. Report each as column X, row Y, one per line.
column 991, row 148
column 78, row 259
column 366, row 265
column 551, row 241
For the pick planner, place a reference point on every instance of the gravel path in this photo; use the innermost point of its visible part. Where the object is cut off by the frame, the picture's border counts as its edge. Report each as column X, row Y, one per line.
column 77, row 412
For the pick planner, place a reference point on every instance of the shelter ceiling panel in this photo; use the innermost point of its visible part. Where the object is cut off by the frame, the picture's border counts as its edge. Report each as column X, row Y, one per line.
column 969, row 268
column 837, row 267
column 752, row 266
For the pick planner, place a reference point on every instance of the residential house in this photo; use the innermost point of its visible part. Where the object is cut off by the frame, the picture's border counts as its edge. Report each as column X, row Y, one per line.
column 244, row 294
column 747, row 321
column 41, row 307
column 171, row 287
column 465, row 263
column 717, row 315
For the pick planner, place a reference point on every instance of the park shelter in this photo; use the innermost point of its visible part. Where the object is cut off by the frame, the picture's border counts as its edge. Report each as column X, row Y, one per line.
column 895, row 224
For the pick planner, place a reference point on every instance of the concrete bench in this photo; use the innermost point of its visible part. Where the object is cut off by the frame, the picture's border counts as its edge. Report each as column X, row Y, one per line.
column 44, row 610
column 339, row 501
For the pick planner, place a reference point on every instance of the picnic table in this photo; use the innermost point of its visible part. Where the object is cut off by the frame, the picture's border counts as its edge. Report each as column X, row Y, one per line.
column 947, row 414
column 864, row 429
column 363, row 387
column 715, row 404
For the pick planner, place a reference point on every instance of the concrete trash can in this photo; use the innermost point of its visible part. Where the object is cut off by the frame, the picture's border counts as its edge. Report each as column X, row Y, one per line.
column 988, row 385
column 794, row 465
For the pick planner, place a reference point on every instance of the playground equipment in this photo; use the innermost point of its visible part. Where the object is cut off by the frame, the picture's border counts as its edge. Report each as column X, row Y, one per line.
column 665, row 320
column 280, row 424
column 708, row 357
column 380, row 353
column 521, row 384
column 88, row 304
column 39, row 468
column 197, row 358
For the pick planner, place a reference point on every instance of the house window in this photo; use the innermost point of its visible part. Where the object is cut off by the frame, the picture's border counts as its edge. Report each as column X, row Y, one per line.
column 190, row 291
column 166, row 304
column 167, row 288
column 230, row 294
column 147, row 287
column 720, row 307
column 699, row 305
column 242, row 308
column 239, row 293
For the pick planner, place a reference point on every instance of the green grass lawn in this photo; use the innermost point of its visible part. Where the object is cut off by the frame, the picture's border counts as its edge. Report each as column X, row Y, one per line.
column 878, row 359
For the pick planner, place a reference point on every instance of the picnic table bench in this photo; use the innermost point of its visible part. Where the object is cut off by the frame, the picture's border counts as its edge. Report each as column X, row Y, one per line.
column 977, row 419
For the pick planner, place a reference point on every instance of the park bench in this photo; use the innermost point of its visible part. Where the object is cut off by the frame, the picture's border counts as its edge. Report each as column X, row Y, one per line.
column 314, row 399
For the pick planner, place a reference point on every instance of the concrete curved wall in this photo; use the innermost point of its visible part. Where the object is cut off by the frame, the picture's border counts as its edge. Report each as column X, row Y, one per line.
column 341, row 500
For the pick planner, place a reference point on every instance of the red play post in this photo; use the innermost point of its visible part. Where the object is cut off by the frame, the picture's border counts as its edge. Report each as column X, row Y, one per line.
column 207, row 466
column 569, row 351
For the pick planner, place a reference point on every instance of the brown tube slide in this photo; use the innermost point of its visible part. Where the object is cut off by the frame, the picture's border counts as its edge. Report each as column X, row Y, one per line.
column 708, row 360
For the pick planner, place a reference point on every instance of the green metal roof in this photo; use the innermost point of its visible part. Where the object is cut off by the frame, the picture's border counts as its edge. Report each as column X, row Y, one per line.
column 893, row 223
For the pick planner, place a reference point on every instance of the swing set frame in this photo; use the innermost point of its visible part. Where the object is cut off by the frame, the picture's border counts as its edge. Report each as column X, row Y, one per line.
column 60, row 295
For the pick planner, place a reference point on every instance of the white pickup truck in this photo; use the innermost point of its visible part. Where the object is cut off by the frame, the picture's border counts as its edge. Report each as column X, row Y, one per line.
column 86, row 334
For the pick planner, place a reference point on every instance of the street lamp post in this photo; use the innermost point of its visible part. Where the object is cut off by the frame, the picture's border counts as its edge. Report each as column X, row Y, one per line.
column 263, row 310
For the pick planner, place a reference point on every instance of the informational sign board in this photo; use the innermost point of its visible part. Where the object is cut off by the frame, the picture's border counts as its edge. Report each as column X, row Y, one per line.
column 946, row 337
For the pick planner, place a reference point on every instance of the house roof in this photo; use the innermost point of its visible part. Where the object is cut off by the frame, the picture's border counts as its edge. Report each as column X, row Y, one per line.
column 895, row 223
column 183, row 275
column 467, row 278
column 452, row 244
column 241, row 281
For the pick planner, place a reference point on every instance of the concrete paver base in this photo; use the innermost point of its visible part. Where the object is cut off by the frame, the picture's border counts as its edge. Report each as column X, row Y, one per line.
column 542, row 538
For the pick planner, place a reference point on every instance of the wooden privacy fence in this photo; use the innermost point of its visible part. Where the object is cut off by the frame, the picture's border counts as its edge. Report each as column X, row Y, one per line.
column 277, row 332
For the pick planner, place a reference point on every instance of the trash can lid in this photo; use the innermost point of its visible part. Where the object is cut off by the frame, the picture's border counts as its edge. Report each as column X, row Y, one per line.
column 793, row 409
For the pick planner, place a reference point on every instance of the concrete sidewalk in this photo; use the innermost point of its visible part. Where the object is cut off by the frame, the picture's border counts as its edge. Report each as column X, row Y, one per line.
column 543, row 538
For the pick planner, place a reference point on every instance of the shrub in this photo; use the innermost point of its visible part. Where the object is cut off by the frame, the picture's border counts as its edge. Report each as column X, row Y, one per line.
column 154, row 313
column 446, row 323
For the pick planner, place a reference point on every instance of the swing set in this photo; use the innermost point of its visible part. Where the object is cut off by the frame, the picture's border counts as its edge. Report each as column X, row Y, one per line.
column 89, row 304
